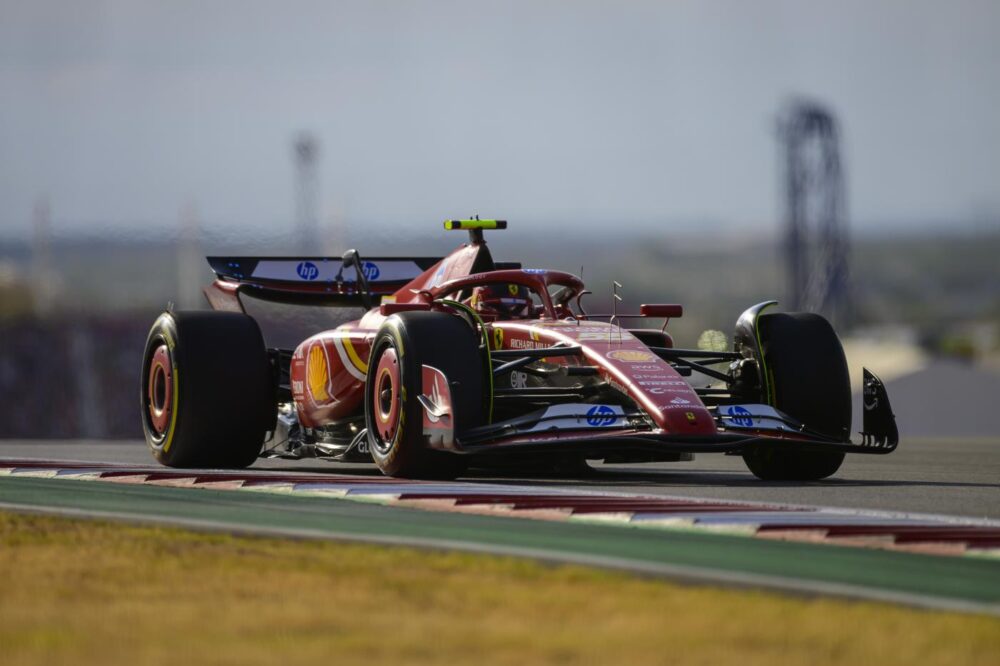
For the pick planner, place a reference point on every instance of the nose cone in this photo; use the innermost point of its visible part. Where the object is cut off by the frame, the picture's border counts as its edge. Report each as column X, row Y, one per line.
column 661, row 391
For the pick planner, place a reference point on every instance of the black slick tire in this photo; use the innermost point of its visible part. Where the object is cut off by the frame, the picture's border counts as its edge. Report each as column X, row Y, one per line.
column 409, row 341
column 208, row 393
column 810, row 381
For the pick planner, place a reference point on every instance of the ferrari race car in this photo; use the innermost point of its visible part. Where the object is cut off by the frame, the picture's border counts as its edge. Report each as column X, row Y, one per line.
column 463, row 361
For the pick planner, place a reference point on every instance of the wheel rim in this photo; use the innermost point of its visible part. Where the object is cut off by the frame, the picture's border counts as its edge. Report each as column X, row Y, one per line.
column 160, row 391
column 385, row 399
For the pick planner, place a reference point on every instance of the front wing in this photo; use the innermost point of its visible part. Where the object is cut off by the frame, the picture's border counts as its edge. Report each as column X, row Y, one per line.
column 597, row 431
column 650, row 443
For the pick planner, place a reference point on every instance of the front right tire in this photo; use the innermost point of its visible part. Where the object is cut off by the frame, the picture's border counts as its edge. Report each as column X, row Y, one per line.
column 808, row 374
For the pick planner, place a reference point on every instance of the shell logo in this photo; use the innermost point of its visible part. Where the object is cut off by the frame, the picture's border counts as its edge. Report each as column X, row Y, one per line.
column 631, row 356
column 317, row 373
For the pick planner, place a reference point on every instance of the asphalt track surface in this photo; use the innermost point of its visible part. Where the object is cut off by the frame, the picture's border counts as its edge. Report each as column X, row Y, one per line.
column 959, row 477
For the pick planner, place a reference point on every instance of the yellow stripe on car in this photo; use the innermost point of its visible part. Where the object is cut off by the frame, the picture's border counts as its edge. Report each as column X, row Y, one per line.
column 353, row 355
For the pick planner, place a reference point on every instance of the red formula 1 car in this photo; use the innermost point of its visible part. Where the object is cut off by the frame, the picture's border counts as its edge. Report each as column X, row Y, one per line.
column 464, row 361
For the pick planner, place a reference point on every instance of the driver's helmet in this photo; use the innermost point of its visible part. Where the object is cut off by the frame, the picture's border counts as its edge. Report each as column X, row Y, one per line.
column 506, row 301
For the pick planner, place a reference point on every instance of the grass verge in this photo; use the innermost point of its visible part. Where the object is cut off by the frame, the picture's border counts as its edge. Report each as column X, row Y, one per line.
column 86, row 592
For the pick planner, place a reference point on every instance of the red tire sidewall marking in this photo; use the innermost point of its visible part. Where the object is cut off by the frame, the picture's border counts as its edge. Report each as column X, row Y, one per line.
column 387, row 377
column 160, row 402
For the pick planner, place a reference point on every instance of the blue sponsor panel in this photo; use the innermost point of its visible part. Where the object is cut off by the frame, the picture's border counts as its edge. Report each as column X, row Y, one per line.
column 329, row 270
column 759, row 417
column 740, row 416
column 307, row 270
column 574, row 416
column 601, row 416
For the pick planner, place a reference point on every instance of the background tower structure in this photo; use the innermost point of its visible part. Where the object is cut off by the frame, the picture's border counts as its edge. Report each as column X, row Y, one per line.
column 306, row 155
column 816, row 244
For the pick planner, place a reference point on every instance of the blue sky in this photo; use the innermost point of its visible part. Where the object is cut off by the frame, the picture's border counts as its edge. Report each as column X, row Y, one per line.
column 123, row 112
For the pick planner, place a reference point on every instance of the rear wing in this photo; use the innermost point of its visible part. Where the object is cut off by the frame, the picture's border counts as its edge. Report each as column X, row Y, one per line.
column 310, row 280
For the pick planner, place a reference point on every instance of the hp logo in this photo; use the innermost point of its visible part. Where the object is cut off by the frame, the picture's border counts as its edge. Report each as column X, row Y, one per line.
column 307, row 270
column 740, row 416
column 370, row 270
column 601, row 415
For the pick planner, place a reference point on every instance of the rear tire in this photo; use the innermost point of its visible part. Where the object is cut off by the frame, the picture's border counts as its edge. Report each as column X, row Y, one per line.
column 404, row 344
column 207, row 392
column 810, row 380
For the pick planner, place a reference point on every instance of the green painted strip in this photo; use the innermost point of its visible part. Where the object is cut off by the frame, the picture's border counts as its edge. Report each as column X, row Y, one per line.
column 892, row 573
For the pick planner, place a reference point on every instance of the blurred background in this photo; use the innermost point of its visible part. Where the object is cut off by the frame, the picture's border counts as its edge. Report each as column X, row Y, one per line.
column 842, row 157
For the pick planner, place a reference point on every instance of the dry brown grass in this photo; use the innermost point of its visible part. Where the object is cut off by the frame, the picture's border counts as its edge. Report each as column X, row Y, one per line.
column 80, row 592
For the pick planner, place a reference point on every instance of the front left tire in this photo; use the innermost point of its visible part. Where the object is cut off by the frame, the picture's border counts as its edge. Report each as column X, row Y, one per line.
column 393, row 415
